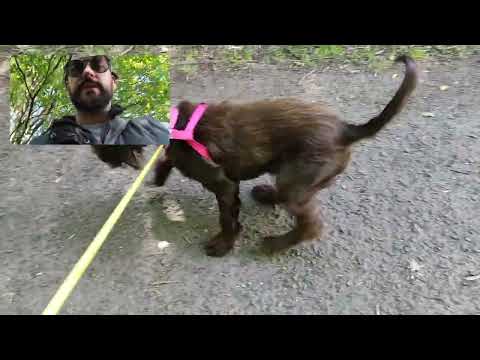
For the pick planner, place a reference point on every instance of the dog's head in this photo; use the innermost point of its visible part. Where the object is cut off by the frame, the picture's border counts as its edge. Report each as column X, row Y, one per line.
column 116, row 155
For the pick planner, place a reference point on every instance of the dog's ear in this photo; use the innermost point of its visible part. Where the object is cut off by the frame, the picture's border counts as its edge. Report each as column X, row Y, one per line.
column 185, row 110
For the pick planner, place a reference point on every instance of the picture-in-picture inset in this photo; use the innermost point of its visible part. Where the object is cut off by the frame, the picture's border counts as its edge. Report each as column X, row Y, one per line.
column 66, row 99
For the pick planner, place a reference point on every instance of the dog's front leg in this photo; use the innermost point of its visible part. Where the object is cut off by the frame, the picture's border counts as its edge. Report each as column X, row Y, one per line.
column 227, row 194
column 163, row 168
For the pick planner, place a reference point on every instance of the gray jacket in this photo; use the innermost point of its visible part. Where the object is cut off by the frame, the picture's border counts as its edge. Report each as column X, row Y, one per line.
column 139, row 131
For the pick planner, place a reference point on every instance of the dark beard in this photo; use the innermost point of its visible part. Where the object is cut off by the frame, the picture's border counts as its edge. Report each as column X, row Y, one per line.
column 96, row 104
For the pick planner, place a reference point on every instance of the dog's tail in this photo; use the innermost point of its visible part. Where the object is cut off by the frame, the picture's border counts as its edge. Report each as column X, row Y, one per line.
column 354, row 133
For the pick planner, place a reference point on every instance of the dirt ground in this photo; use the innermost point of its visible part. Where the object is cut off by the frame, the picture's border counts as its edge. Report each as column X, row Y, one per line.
column 402, row 225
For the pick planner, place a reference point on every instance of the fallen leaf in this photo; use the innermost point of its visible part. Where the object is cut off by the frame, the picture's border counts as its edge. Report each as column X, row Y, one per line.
column 444, row 87
column 164, row 283
column 163, row 244
column 173, row 211
column 414, row 266
column 428, row 114
column 473, row 278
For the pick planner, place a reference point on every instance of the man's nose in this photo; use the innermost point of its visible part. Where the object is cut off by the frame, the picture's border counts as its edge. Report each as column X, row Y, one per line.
column 88, row 72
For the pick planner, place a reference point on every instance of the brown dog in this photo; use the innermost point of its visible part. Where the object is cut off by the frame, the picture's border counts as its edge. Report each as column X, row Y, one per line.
column 304, row 145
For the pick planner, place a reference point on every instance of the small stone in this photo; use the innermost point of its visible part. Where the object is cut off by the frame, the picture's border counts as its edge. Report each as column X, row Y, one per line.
column 163, row 244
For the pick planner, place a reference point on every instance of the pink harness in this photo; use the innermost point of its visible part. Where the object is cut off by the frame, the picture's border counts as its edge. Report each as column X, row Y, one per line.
column 187, row 134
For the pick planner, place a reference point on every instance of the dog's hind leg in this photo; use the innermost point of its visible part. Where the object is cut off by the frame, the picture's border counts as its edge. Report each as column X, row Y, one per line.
column 308, row 227
column 296, row 187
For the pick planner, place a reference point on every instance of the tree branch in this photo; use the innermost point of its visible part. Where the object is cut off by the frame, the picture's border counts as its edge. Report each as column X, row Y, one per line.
column 32, row 102
column 45, row 78
column 22, row 113
column 40, row 122
column 23, row 76
column 14, row 136
column 19, row 122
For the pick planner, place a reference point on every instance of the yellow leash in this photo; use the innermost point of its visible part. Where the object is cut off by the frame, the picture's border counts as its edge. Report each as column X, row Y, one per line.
column 78, row 270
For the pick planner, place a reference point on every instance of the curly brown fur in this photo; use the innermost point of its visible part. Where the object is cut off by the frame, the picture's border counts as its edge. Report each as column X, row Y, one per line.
column 305, row 146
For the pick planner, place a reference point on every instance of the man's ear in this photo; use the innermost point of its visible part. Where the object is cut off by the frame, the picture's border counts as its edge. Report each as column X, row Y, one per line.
column 115, row 80
column 66, row 85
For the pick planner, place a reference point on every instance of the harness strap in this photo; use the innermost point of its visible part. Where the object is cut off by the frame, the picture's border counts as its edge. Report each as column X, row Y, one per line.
column 187, row 134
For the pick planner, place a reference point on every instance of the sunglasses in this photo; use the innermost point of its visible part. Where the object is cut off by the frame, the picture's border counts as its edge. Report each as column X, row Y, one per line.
column 98, row 63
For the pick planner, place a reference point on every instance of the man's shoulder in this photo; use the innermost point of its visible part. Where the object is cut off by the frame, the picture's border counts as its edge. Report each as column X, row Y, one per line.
column 43, row 139
column 154, row 130
column 149, row 121
column 63, row 131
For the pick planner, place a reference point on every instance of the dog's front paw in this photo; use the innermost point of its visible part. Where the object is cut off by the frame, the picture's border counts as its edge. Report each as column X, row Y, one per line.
column 219, row 246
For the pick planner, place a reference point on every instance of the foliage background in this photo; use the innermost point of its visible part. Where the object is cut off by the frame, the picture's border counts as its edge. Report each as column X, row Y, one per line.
column 38, row 94
column 374, row 57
